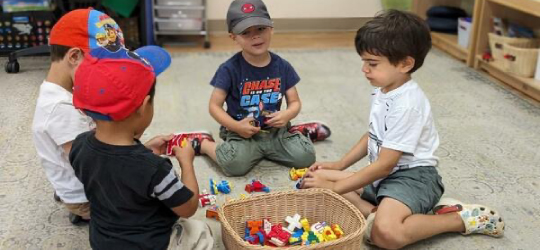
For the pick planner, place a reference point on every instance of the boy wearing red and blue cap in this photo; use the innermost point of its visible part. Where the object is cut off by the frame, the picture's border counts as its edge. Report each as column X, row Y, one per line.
column 56, row 122
column 136, row 196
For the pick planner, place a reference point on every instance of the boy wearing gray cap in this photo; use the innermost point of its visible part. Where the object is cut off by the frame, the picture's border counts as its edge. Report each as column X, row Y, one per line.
column 253, row 83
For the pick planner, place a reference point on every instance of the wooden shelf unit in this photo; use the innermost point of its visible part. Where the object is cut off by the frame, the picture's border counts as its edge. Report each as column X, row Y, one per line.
column 523, row 12
column 449, row 42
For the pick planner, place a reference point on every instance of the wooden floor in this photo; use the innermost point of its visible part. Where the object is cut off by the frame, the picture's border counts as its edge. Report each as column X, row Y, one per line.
column 222, row 42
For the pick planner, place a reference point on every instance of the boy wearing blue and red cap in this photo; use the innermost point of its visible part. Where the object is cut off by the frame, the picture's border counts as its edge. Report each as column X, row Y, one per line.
column 136, row 196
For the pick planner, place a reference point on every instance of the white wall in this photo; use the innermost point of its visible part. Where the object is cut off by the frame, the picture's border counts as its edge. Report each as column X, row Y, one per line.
column 217, row 9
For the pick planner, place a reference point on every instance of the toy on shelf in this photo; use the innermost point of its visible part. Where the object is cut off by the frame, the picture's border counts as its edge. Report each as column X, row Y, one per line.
column 221, row 187
column 296, row 174
column 212, row 212
column 256, row 186
column 206, row 199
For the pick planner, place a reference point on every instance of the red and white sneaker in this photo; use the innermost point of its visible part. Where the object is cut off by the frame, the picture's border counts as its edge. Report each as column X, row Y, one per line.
column 195, row 138
column 316, row 131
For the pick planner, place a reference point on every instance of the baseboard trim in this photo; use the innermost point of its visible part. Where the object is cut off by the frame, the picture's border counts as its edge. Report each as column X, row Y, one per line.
column 302, row 25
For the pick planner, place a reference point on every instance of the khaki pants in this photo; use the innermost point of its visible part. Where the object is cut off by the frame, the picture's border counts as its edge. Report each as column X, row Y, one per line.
column 80, row 209
column 190, row 234
column 237, row 155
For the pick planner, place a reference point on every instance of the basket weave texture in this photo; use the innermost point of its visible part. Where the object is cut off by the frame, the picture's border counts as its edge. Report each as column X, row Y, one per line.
column 497, row 44
column 316, row 205
column 521, row 61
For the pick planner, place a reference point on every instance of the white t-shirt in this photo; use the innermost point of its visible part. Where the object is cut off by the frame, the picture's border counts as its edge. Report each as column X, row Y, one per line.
column 401, row 120
column 57, row 122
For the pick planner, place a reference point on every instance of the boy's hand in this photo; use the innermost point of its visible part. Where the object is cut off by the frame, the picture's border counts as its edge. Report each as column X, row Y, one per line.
column 158, row 144
column 336, row 165
column 278, row 119
column 245, row 129
column 185, row 155
column 316, row 180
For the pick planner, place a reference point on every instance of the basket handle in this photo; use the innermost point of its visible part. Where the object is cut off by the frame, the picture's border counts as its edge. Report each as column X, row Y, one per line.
column 510, row 57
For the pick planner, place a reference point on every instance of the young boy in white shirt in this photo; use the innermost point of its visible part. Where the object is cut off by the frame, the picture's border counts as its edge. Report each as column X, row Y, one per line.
column 56, row 122
column 401, row 183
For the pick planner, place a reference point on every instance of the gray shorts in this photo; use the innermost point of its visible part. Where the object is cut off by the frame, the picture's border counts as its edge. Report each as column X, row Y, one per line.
column 237, row 155
column 419, row 188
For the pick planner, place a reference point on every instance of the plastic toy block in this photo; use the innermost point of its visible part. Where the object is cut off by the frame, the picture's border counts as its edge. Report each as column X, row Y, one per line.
column 278, row 236
column 212, row 213
column 206, row 199
column 221, row 187
column 267, row 226
column 318, row 227
column 294, row 223
column 254, row 226
column 299, row 183
column 261, row 238
column 312, row 238
column 328, row 234
column 296, row 237
column 256, row 186
column 337, row 230
column 305, row 224
column 296, row 174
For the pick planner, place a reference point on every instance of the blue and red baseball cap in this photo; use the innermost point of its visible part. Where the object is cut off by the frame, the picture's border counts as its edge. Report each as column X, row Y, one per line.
column 86, row 29
column 111, row 85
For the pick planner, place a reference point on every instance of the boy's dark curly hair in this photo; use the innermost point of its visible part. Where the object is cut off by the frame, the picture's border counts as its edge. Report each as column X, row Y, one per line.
column 396, row 35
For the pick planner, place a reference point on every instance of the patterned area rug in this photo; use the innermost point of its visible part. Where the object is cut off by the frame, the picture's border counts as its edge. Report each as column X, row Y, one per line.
column 490, row 145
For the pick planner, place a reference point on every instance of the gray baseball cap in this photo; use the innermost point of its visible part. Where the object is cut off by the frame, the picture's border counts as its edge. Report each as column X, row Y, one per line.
column 243, row 14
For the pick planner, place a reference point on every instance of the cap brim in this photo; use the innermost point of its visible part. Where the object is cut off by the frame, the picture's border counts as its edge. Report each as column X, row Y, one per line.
column 159, row 58
column 250, row 22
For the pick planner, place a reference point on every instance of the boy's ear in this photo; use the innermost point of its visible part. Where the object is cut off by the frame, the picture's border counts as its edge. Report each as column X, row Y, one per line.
column 74, row 56
column 232, row 36
column 407, row 64
column 145, row 104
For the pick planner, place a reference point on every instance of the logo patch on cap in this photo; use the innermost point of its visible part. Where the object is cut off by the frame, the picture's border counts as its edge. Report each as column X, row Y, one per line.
column 248, row 8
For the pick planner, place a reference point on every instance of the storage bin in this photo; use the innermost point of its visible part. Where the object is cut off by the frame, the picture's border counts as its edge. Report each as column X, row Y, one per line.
column 172, row 12
column 496, row 44
column 519, row 59
column 316, row 205
column 179, row 25
column 464, row 31
column 180, row 2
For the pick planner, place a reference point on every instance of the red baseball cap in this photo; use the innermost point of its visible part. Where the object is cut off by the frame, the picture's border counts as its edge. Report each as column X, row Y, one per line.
column 86, row 29
column 111, row 85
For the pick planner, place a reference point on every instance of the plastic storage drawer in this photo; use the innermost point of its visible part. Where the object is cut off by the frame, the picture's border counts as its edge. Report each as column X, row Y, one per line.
column 179, row 13
column 180, row 2
column 179, row 25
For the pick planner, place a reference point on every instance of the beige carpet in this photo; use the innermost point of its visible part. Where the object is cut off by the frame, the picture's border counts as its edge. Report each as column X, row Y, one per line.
column 490, row 145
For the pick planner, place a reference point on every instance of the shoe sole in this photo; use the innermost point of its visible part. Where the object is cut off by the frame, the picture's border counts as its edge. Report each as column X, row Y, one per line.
column 446, row 202
column 195, row 132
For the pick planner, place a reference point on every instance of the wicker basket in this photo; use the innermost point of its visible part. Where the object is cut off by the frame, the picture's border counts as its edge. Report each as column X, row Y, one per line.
column 314, row 204
column 520, row 60
column 497, row 44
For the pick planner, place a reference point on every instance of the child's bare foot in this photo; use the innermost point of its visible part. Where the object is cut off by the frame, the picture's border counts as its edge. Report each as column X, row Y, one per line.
column 476, row 218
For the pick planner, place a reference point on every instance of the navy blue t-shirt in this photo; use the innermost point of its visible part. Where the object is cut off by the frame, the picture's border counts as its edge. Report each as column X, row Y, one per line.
column 254, row 91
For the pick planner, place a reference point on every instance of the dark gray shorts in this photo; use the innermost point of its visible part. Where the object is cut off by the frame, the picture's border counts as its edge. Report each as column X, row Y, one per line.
column 419, row 188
